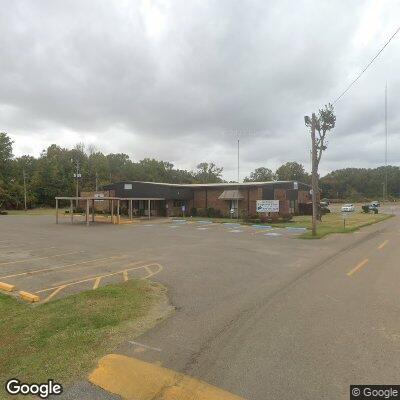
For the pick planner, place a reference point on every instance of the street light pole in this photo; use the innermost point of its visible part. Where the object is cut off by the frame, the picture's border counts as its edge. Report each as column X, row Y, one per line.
column 77, row 175
column 24, row 177
column 237, row 201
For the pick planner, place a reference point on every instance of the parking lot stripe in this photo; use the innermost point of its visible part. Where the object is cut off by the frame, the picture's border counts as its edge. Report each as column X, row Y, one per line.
column 382, row 245
column 97, row 283
column 92, row 278
column 151, row 273
column 39, row 258
column 48, row 298
column 357, row 267
column 22, row 249
column 58, row 268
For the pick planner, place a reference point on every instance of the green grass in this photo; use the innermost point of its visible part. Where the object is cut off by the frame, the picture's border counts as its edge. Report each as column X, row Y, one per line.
column 333, row 223
column 63, row 339
column 35, row 211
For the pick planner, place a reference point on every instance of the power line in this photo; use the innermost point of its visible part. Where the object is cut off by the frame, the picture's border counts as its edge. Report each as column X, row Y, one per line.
column 368, row 65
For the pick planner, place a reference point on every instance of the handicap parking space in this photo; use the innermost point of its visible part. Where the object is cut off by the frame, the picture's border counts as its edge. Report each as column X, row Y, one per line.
column 45, row 273
column 207, row 226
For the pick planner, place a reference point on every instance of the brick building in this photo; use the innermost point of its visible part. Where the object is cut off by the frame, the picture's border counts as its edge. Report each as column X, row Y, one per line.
column 174, row 199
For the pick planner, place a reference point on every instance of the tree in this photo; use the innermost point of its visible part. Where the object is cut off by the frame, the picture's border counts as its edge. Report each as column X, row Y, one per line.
column 322, row 124
column 260, row 174
column 292, row 171
column 5, row 168
column 208, row 173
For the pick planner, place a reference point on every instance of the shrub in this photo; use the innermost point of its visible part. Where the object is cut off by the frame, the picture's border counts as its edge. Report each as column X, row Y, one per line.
column 202, row 212
column 193, row 212
column 286, row 217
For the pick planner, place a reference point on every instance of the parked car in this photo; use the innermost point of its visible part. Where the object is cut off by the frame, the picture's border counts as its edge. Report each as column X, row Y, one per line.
column 375, row 204
column 348, row 208
column 323, row 207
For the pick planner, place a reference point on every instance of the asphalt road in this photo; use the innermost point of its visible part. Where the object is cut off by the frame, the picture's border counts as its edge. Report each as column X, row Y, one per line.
column 263, row 317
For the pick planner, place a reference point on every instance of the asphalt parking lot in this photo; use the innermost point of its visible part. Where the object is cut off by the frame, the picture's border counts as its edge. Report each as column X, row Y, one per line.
column 246, row 302
column 47, row 260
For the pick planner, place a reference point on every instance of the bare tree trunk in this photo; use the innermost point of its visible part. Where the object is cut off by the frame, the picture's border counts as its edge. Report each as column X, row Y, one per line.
column 314, row 181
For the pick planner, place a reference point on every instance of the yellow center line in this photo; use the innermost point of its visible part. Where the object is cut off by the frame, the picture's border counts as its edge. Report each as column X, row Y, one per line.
column 357, row 267
column 382, row 245
column 39, row 258
column 125, row 275
column 36, row 271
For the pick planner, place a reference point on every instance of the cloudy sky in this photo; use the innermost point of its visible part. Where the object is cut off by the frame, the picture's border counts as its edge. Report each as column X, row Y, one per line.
column 180, row 80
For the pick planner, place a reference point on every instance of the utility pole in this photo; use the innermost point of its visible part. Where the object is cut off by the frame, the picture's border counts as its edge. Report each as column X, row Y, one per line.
column 237, row 201
column 386, row 148
column 24, row 177
column 314, row 177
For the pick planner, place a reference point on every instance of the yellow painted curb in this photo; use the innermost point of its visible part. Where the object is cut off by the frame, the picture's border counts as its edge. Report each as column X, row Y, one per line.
column 7, row 287
column 31, row 298
column 133, row 379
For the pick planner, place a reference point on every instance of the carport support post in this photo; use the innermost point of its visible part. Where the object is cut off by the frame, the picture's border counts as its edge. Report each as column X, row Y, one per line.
column 112, row 211
column 92, row 210
column 71, row 210
column 56, row 211
column 149, row 209
column 87, row 212
column 118, row 219
column 130, row 209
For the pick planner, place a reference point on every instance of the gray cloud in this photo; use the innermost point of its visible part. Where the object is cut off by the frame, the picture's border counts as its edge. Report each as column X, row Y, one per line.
column 179, row 80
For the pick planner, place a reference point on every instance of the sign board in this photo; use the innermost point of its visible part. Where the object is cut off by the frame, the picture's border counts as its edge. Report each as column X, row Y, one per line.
column 295, row 185
column 183, row 208
column 266, row 206
column 128, row 186
column 98, row 196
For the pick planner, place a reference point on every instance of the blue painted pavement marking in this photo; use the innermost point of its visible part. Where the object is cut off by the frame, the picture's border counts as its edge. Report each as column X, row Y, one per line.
column 262, row 226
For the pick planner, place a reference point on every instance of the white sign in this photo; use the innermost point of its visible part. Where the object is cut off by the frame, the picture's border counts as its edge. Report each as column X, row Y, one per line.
column 264, row 206
column 183, row 208
column 128, row 186
column 98, row 196
column 295, row 185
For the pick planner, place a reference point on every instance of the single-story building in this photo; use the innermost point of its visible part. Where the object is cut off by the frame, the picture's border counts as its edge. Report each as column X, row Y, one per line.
column 169, row 199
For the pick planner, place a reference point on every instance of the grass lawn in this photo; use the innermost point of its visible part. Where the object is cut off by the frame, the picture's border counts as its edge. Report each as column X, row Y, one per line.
column 35, row 211
column 64, row 338
column 333, row 223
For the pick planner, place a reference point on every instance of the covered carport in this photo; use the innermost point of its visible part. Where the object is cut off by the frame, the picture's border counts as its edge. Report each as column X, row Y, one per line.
column 115, row 206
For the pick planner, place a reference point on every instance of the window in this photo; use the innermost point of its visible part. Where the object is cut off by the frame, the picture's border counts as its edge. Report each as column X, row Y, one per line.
column 233, row 205
column 179, row 203
column 128, row 186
